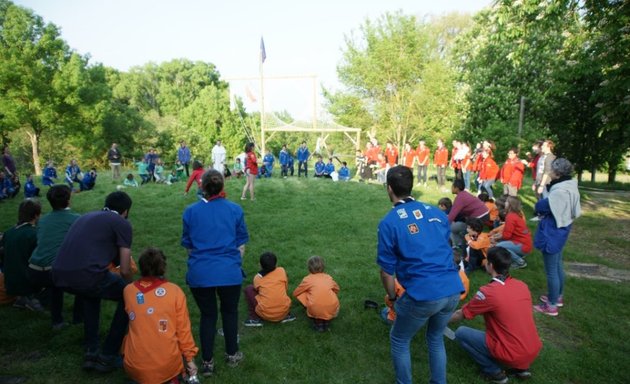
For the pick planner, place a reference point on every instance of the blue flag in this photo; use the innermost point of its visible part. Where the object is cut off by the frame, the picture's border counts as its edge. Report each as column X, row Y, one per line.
column 263, row 54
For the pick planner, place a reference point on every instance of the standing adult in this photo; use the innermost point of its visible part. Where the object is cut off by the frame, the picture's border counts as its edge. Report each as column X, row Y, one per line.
column 151, row 159
column 218, row 157
column 115, row 158
column 510, row 339
column 8, row 163
column 543, row 169
column 441, row 160
column 512, row 173
column 413, row 247
column 391, row 154
column 94, row 241
column 214, row 234
column 284, row 161
column 409, row 156
column 557, row 212
column 251, row 171
column 184, row 157
column 423, row 154
column 302, row 156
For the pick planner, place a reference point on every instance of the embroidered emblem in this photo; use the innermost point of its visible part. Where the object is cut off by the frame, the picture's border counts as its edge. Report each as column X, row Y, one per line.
column 402, row 213
column 417, row 214
column 140, row 298
column 132, row 315
column 480, row 296
column 150, row 311
column 162, row 325
column 413, row 228
column 434, row 219
column 160, row 292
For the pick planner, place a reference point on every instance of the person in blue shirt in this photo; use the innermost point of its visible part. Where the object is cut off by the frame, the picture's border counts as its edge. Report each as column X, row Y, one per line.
column 284, row 161
column 329, row 168
column 7, row 189
column 319, row 167
column 302, row 156
column 151, row 158
column 183, row 155
column 30, row 189
column 49, row 175
column 268, row 163
column 344, row 172
column 413, row 247
column 290, row 162
column 73, row 174
column 89, row 180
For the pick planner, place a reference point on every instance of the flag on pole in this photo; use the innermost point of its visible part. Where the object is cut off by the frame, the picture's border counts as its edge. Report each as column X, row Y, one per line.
column 263, row 54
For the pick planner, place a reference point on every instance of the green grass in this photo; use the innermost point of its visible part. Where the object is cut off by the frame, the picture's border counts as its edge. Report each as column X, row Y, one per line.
column 297, row 218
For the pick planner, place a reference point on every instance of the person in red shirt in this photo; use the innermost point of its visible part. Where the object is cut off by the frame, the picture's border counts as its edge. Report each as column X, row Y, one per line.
column 251, row 171
column 195, row 176
column 516, row 237
column 391, row 154
column 488, row 172
column 409, row 156
column 441, row 161
column 511, row 339
column 512, row 173
column 423, row 154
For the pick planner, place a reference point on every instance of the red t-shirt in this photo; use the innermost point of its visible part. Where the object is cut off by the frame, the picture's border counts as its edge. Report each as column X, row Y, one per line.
column 251, row 163
column 516, row 230
column 441, row 157
column 511, row 334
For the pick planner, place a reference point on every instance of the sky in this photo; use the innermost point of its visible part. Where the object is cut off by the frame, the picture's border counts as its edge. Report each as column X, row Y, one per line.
column 301, row 38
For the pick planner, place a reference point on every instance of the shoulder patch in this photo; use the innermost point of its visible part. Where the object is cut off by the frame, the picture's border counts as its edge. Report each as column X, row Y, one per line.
column 480, row 296
column 413, row 228
column 417, row 214
column 402, row 213
column 160, row 292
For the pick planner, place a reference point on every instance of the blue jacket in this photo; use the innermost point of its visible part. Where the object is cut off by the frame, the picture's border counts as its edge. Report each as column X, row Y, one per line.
column 319, row 168
column 302, row 154
column 549, row 239
column 183, row 155
column 30, row 190
column 329, row 168
column 284, row 157
column 290, row 161
column 212, row 232
column 344, row 173
column 269, row 159
column 88, row 181
column 72, row 172
column 413, row 245
column 50, row 173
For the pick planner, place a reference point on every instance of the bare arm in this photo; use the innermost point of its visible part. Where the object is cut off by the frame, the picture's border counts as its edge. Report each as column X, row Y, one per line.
column 125, row 263
column 388, row 284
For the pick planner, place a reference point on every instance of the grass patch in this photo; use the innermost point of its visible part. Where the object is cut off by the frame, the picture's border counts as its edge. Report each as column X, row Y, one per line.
column 297, row 218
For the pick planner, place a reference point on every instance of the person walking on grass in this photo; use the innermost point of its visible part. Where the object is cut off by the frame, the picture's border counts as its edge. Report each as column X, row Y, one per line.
column 557, row 212
column 413, row 247
column 510, row 339
column 214, row 235
column 251, row 171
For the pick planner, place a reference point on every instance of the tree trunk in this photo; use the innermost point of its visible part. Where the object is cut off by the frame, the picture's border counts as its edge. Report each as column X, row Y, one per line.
column 593, row 170
column 612, row 173
column 579, row 176
column 34, row 137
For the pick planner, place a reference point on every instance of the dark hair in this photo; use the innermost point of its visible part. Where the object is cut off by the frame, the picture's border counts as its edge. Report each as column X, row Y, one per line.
column 212, row 182
column 459, row 184
column 344, row 163
column 130, row 176
column 197, row 165
column 268, row 261
column 249, row 147
column 501, row 259
column 445, row 201
column 59, row 196
column 118, row 201
column 400, row 180
column 152, row 262
column 316, row 264
column 475, row 223
column 29, row 209
column 483, row 196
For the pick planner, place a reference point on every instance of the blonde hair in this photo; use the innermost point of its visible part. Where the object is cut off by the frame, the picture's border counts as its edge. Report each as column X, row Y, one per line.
column 316, row 264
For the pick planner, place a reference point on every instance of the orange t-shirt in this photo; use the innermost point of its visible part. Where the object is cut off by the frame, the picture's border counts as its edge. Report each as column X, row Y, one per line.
column 482, row 243
column 273, row 302
column 409, row 156
column 159, row 331
column 466, row 282
column 318, row 294
column 441, row 157
column 423, row 156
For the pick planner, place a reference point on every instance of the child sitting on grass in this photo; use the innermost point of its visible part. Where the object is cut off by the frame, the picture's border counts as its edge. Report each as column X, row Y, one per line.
column 267, row 298
column 478, row 243
column 130, row 181
column 318, row 294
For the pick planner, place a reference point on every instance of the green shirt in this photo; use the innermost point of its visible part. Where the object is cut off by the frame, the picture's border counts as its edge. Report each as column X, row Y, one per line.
column 51, row 230
column 19, row 242
column 142, row 167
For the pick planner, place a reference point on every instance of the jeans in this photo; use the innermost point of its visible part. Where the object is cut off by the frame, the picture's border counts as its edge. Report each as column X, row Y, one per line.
column 474, row 342
column 206, row 299
column 487, row 186
column 555, row 276
column 422, row 174
column 303, row 165
column 515, row 249
column 467, row 180
column 284, row 170
column 110, row 288
column 411, row 315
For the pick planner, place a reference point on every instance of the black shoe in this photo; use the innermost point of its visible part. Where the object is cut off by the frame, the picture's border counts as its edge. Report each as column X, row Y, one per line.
column 89, row 361
column 497, row 378
column 107, row 363
column 522, row 374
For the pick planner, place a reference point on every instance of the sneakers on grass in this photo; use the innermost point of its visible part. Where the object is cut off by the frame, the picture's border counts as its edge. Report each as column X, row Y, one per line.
column 546, row 309
column 545, row 300
column 253, row 323
column 24, row 302
column 207, row 368
column 497, row 378
column 522, row 374
column 290, row 317
column 235, row 359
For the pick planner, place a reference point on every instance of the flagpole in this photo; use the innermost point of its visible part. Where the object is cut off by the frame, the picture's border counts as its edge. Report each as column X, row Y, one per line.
column 262, row 97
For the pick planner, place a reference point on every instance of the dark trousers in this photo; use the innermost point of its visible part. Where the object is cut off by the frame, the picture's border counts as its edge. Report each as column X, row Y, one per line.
column 206, row 299
column 250, row 296
column 475, row 258
column 43, row 279
column 303, row 165
column 441, row 175
column 109, row 288
column 186, row 167
column 284, row 170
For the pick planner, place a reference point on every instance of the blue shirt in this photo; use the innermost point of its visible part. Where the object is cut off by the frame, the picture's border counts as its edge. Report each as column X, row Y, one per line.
column 284, row 157
column 30, row 189
column 549, row 239
column 319, row 168
column 329, row 168
column 413, row 245
column 344, row 173
column 302, row 154
column 183, row 155
column 212, row 232
column 72, row 171
column 268, row 161
column 50, row 173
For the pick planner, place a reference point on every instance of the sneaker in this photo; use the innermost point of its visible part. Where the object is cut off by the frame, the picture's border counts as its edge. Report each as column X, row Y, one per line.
column 546, row 309
column 535, row 218
column 243, row 198
column 207, row 368
column 253, row 323
column 290, row 317
column 24, row 302
column 89, row 361
column 235, row 359
column 545, row 300
column 522, row 374
column 107, row 363
column 518, row 266
column 498, row 378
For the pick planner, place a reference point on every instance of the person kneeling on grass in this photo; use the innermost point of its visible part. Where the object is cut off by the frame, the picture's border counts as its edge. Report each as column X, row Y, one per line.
column 511, row 339
column 318, row 294
column 159, row 337
column 267, row 298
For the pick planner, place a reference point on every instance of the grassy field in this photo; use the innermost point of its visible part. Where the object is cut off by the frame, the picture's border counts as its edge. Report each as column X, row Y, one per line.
column 297, row 218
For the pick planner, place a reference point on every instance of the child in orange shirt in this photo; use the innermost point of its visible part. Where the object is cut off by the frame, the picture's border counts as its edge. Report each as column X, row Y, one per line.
column 478, row 244
column 492, row 208
column 267, row 298
column 318, row 294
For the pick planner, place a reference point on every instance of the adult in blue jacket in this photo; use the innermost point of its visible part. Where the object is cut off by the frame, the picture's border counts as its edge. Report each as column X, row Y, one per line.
column 214, row 234
column 413, row 247
column 302, row 156
column 183, row 155
column 284, row 160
